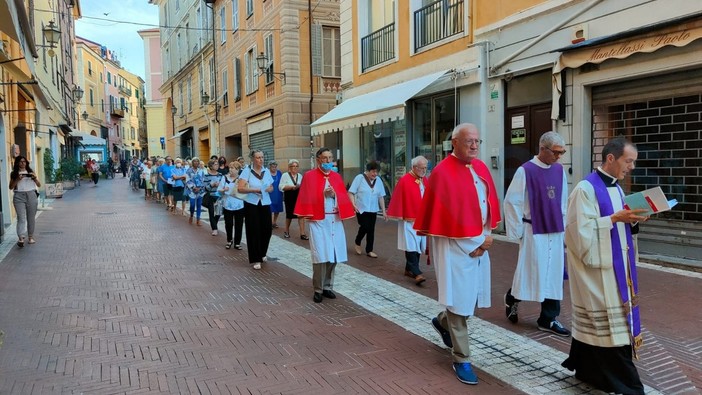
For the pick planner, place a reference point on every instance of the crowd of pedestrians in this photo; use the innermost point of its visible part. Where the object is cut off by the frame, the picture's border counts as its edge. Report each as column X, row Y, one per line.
column 450, row 216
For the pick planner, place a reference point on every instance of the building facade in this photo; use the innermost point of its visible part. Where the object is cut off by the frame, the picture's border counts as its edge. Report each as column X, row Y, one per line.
column 156, row 111
column 590, row 70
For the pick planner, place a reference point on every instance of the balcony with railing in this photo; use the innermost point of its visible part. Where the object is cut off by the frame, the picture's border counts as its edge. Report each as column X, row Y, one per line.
column 116, row 112
column 378, row 47
column 437, row 21
column 125, row 90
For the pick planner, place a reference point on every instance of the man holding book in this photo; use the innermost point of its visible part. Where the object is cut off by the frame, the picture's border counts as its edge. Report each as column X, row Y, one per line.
column 602, row 255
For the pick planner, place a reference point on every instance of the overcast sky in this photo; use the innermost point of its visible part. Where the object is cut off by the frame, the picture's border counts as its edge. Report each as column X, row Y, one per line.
column 114, row 23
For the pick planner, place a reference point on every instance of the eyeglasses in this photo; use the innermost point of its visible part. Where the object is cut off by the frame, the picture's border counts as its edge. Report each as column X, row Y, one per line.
column 557, row 153
column 471, row 141
column 22, row 161
column 294, row 166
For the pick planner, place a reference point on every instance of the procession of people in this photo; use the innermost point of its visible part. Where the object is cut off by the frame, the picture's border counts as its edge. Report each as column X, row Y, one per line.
column 449, row 215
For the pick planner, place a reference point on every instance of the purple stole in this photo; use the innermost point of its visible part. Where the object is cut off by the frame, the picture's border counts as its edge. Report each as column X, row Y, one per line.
column 606, row 209
column 545, row 188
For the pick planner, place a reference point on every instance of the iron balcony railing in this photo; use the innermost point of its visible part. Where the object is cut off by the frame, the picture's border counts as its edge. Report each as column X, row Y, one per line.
column 437, row 21
column 378, row 47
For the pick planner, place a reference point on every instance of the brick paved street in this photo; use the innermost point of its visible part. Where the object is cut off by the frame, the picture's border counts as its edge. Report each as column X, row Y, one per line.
column 118, row 296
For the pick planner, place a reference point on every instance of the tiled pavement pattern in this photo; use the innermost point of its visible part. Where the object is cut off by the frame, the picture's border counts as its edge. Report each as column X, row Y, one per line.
column 178, row 313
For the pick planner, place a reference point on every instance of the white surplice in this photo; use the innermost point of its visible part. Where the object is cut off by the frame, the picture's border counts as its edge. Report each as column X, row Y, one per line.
column 539, row 273
column 407, row 237
column 464, row 282
column 327, row 236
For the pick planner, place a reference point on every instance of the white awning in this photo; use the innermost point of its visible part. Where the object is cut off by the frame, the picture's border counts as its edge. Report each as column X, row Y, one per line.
column 384, row 105
column 177, row 135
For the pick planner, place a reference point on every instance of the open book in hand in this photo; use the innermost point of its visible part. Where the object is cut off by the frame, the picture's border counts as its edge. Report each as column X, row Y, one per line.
column 652, row 199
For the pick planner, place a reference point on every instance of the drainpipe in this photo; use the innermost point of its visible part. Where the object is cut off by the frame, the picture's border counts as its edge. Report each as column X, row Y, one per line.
column 543, row 35
column 309, row 18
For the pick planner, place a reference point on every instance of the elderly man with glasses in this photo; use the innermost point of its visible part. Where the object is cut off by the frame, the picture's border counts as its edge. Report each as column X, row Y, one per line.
column 459, row 209
column 535, row 210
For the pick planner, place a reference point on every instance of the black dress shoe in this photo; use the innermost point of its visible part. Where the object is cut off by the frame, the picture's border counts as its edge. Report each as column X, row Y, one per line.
column 317, row 297
column 329, row 294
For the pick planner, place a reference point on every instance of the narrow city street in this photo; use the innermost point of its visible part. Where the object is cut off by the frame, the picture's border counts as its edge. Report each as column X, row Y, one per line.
column 120, row 297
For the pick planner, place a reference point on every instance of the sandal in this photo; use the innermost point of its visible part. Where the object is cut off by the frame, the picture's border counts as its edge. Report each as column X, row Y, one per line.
column 229, row 245
column 286, row 235
column 20, row 243
column 31, row 241
column 304, row 237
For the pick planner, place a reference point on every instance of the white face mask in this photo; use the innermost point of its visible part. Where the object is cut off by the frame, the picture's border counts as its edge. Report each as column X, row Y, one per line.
column 178, row 165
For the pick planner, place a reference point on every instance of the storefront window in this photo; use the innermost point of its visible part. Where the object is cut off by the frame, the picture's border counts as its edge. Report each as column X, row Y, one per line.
column 434, row 120
column 385, row 144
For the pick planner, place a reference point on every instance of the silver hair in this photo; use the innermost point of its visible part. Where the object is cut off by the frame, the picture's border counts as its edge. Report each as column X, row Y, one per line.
column 254, row 152
column 271, row 163
column 460, row 127
column 417, row 160
column 549, row 139
column 295, row 161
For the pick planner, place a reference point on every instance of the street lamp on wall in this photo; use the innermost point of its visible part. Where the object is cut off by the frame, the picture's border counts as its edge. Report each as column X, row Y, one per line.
column 174, row 110
column 262, row 63
column 77, row 93
column 52, row 35
column 84, row 115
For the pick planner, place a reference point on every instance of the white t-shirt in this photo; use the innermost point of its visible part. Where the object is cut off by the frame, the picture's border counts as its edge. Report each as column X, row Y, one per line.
column 25, row 184
column 367, row 197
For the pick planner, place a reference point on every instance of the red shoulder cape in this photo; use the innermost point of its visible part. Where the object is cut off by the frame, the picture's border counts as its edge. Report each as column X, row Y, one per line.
column 450, row 204
column 406, row 198
column 310, row 201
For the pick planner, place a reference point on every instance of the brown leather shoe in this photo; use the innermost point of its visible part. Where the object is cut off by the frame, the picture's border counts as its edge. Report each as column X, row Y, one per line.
column 419, row 279
column 409, row 273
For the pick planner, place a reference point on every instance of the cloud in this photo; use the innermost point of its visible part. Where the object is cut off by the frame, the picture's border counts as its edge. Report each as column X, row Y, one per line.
column 118, row 29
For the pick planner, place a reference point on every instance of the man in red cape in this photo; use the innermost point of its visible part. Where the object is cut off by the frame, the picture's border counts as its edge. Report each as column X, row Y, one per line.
column 404, row 206
column 324, row 201
column 458, row 212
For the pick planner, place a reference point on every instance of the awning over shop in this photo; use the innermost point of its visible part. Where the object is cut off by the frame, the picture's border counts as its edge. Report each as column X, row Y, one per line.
column 646, row 39
column 180, row 133
column 88, row 139
column 384, row 105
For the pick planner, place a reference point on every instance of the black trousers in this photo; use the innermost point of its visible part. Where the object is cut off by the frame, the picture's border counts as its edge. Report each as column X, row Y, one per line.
column 550, row 309
column 234, row 219
column 211, row 213
column 95, row 176
column 258, row 230
column 412, row 262
column 366, row 228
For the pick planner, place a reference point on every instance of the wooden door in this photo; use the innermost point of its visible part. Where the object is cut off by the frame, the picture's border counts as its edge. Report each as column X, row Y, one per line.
column 523, row 128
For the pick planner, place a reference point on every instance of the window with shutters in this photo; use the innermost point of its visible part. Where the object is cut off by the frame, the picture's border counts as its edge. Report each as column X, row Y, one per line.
column 235, row 15
column 222, row 25
column 180, row 94
column 225, row 88
column 251, row 71
column 249, row 8
column 331, row 52
column 190, row 94
column 201, row 78
column 212, row 79
column 237, row 79
column 268, row 47
column 91, row 97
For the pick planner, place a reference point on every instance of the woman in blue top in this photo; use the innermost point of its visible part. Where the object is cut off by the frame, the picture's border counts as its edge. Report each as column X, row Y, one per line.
column 178, row 176
column 211, row 180
column 233, row 210
column 276, row 195
column 256, row 182
column 196, row 189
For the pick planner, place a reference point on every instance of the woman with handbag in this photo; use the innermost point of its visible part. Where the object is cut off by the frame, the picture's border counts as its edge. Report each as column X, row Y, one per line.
column 196, row 189
column 290, row 187
column 233, row 207
column 211, row 180
column 257, row 183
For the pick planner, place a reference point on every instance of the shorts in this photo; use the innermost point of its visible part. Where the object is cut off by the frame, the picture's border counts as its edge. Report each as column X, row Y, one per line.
column 167, row 190
column 178, row 193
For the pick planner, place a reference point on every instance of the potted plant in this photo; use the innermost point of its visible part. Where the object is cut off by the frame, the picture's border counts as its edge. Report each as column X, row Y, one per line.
column 52, row 188
column 68, row 170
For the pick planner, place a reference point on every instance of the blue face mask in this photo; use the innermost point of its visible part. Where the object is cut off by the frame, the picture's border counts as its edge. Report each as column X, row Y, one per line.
column 327, row 166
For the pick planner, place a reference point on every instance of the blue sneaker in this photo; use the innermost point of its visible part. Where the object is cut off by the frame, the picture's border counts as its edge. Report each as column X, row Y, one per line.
column 445, row 336
column 464, row 373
